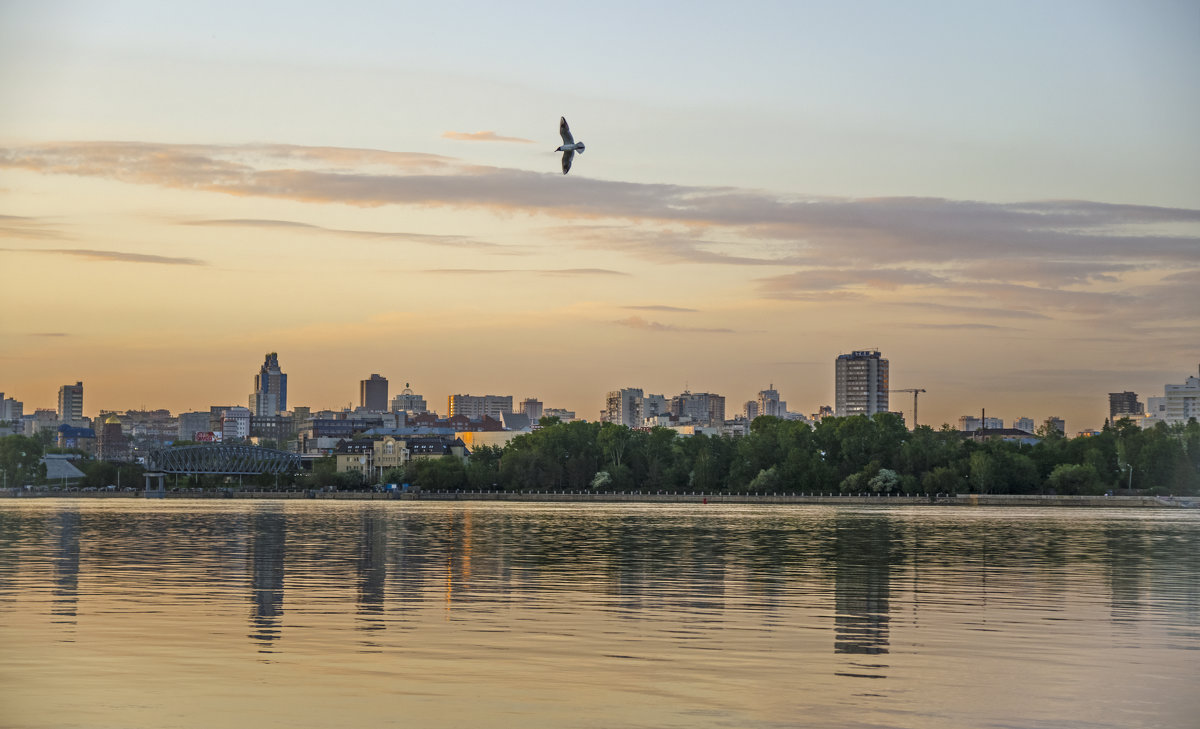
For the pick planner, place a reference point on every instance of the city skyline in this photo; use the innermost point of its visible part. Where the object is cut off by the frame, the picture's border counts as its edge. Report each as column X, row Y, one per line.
column 630, row 406
column 1000, row 199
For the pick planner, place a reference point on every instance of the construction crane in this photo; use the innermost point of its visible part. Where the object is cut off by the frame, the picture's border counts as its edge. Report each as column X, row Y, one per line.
column 915, row 391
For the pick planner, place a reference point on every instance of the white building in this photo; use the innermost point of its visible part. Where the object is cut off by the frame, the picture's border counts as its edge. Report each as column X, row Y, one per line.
column 1178, row 404
column 1025, row 424
column 236, row 423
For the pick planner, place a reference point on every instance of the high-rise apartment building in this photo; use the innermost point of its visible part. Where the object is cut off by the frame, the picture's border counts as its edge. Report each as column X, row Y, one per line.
column 861, row 383
column 700, row 407
column 270, row 388
column 1123, row 405
column 476, row 406
column 1025, row 424
column 1055, row 423
column 70, row 403
column 11, row 409
column 750, row 410
column 623, row 407
column 409, row 402
column 373, row 394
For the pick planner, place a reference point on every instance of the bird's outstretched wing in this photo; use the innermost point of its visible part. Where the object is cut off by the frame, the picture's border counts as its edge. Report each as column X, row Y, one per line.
column 568, row 157
column 565, row 131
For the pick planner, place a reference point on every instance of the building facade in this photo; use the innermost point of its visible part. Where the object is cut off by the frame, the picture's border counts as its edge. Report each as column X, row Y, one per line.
column 235, row 425
column 70, row 403
column 270, row 388
column 1124, row 405
column 409, row 402
column 1024, row 424
column 623, row 407
column 373, row 394
column 703, row 408
column 477, row 406
column 189, row 424
column 861, row 383
column 531, row 408
column 770, row 404
column 11, row 409
column 1178, row 404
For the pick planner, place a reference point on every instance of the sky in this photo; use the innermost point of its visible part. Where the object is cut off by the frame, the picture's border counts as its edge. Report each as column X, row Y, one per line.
column 1003, row 198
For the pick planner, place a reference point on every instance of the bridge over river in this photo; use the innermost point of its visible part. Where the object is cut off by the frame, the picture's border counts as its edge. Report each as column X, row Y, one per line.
column 218, row 459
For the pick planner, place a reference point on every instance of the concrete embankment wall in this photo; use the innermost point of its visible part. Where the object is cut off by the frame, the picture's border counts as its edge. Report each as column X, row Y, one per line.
column 636, row 497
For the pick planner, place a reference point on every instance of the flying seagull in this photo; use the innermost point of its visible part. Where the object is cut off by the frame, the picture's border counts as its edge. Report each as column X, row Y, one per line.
column 569, row 146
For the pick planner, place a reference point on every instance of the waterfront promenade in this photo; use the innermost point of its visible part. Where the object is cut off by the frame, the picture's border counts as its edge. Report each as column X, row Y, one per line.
column 666, row 497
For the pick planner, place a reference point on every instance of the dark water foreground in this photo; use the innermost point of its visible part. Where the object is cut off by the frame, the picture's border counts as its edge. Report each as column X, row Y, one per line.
column 120, row 613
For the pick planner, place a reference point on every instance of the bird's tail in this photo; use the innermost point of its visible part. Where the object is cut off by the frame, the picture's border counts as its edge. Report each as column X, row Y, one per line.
column 579, row 147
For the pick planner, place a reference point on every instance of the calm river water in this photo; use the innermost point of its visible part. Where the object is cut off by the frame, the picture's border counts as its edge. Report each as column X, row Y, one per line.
column 121, row 613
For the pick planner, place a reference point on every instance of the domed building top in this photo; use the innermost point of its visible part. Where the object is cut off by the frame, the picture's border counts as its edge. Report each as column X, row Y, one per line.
column 112, row 420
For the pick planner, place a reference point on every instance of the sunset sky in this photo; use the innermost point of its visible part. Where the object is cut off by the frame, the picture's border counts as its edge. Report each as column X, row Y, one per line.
column 1004, row 198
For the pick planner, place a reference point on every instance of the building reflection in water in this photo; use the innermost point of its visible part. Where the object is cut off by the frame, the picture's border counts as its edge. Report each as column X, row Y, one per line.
column 371, row 569
column 66, row 568
column 862, row 553
column 268, row 543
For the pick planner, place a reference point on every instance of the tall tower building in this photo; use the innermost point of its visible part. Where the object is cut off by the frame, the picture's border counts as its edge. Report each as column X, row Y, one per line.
column 70, row 403
column 373, row 394
column 270, row 388
column 861, row 380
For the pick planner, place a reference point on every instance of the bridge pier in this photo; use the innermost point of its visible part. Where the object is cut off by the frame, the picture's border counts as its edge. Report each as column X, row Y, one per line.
column 161, row 491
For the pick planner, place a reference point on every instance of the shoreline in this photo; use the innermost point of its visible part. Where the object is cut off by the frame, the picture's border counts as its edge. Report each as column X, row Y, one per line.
column 1033, row 500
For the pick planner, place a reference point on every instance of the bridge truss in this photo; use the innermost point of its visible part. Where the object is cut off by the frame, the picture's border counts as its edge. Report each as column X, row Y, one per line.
column 229, row 460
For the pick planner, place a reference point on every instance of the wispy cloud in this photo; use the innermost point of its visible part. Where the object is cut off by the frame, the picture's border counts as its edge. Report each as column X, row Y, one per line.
column 661, row 307
column 119, row 256
column 484, row 137
column 16, row 226
column 449, row 241
column 538, row 271
column 637, row 322
column 1110, row 263
column 49, row 334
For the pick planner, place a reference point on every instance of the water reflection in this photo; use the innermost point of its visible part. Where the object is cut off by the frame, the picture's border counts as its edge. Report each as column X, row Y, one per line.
column 372, row 570
column 735, row 616
column 861, row 586
column 268, row 541
column 66, row 567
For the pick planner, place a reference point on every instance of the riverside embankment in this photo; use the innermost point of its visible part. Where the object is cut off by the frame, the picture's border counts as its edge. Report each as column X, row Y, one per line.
column 675, row 497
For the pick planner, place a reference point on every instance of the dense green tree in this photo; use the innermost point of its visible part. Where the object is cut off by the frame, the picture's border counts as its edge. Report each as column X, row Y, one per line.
column 854, row 454
column 1074, row 479
column 20, row 460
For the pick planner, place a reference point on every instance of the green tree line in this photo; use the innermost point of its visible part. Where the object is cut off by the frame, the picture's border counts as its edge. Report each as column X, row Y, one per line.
column 843, row 455
column 846, row 455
